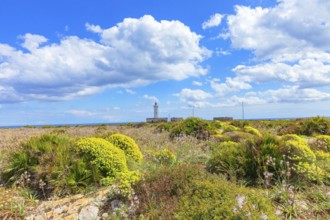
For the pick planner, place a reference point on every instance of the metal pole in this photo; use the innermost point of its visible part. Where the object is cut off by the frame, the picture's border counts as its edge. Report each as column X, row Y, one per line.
column 243, row 110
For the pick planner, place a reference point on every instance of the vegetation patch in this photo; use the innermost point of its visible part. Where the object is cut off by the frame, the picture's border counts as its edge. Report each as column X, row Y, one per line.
column 218, row 199
column 127, row 144
column 196, row 127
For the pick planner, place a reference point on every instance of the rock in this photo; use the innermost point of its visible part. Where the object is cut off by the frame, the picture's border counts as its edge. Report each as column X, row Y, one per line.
column 82, row 207
column 105, row 215
column 89, row 213
column 115, row 204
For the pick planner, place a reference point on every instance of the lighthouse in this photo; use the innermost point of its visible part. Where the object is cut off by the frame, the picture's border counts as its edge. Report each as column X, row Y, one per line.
column 155, row 110
column 156, row 118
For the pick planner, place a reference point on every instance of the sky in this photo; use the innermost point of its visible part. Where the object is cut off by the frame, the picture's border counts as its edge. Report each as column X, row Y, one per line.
column 108, row 61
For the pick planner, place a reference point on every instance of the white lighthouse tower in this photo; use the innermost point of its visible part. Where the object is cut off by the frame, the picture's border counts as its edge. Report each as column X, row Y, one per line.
column 155, row 110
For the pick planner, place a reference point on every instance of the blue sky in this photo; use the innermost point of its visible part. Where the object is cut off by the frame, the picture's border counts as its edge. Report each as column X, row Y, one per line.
column 105, row 61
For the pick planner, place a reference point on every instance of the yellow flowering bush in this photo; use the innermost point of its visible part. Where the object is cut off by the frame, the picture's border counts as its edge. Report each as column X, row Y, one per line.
column 127, row 144
column 302, row 157
column 311, row 171
column 321, row 155
column 296, row 148
column 103, row 155
column 252, row 130
column 225, row 126
column 125, row 180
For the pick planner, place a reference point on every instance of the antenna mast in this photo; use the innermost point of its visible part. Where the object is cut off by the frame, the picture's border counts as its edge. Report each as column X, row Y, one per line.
column 243, row 110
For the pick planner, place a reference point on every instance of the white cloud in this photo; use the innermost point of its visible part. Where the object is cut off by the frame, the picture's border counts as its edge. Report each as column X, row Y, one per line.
column 292, row 26
column 230, row 86
column 94, row 28
column 133, row 53
column 294, row 94
column 129, row 91
column 305, row 73
column 197, row 83
column 196, row 98
column 152, row 98
column 80, row 113
column 290, row 47
column 222, row 52
column 32, row 42
column 214, row 21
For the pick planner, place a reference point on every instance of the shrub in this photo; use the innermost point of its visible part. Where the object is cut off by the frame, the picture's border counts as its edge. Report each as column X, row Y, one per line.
column 321, row 155
column 164, row 126
column 165, row 156
column 127, row 144
column 296, row 149
column 218, row 199
column 323, row 142
column 225, row 126
column 252, row 130
column 227, row 158
column 161, row 188
column 103, row 156
column 48, row 158
column 196, row 127
column 317, row 125
column 302, row 158
column 238, row 136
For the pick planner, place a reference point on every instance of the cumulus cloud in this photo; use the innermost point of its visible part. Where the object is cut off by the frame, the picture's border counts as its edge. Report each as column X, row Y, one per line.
column 152, row 98
column 129, row 91
column 294, row 94
column 197, row 83
column 80, row 113
column 290, row 48
column 214, row 21
column 32, row 42
column 133, row 53
column 305, row 73
column 196, row 98
column 231, row 85
column 292, row 26
column 222, row 52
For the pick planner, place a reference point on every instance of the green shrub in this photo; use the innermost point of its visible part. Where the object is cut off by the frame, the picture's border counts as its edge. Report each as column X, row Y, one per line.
column 165, row 156
column 47, row 158
column 161, row 188
column 227, row 158
column 164, row 126
column 196, row 127
column 127, row 144
column 317, row 125
column 238, row 136
column 218, row 199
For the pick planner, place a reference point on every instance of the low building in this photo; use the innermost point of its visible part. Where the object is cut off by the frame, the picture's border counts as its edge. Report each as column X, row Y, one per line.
column 223, row 119
column 155, row 120
column 174, row 119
